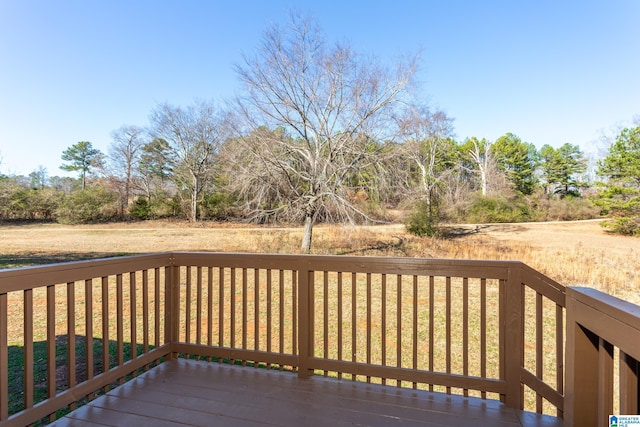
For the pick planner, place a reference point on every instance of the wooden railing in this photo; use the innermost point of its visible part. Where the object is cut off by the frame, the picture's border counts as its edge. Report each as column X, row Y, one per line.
column 480, row 328
column 596, row 324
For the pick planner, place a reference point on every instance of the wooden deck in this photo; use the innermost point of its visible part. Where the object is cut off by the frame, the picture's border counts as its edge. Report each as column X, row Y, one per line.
column 186, row 392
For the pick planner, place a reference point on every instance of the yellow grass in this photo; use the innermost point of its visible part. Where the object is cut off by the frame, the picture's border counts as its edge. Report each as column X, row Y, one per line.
column 574, row 254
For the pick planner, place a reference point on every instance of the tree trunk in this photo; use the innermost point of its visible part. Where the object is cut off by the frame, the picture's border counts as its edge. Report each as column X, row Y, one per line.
column 308, row 231
column 194, row 200
column 483, row 180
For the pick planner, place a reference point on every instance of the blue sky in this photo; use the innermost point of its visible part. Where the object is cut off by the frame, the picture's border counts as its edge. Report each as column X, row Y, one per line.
column 549, row 71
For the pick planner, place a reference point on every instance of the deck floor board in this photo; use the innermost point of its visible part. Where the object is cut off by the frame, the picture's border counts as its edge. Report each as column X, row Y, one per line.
column 197, row 393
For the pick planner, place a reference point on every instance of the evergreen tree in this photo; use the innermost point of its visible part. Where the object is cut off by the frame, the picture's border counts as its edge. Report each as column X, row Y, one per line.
column 518, row 160
column 561, row 168
column 621, row 195
column 82, row 157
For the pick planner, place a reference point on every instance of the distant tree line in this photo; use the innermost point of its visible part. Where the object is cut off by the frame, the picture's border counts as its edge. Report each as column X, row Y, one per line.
column 320, row 133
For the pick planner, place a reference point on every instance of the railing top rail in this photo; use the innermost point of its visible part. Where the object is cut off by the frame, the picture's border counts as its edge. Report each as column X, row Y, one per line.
column 544, row 285
column 616, row 320
column 611, row 306
column 356, row 264
column 17, row 279
column 31, row 277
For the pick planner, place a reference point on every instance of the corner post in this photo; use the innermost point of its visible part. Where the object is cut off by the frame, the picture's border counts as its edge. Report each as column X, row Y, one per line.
column 514, row 337
column 582, row 359
column 305, row 320
column 172, row 303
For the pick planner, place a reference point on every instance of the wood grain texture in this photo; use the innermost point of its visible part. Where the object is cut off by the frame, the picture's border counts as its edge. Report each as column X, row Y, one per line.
column 187, row 392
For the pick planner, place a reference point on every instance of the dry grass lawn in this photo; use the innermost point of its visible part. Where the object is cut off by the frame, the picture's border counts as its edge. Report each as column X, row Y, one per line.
column 573, row 253
column 577, row 253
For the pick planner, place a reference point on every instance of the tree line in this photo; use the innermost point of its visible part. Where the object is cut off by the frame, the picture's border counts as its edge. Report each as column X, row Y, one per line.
column 321, row 133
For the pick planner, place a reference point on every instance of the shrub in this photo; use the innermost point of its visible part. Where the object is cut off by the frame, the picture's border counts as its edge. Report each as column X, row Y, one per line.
column 217, row 206
column 424, row 220
column 628, row 225
column 488, row 209
column 93, row 204
column 141, row 209
column 571, row 209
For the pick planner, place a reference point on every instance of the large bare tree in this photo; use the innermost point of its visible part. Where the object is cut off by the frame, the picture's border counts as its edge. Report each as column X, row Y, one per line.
column 313, row 116
column 428, row 146
column 194, row 135
column 124, row 155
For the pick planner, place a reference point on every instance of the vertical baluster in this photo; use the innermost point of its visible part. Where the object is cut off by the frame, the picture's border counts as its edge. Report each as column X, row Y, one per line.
column 340, row 309
column 120, row 322
column 244, row 312
column 269, row 273
column 465, row 330
column 51, row 344
column 232, row 302
column 88, row 318
column 105, row 327
column 133, row 314
column 281, row 337
column 256, row 306
column 71, row 337
column 325, row 322
column 483, row 332
column 560, row 355
column 4, row 357
column 187, row 308
column 502, row 298
column 431, row 324
column 368, row 310
column 415, row 327
column 145, row 312
column 156, row 306
column 629, row 380
column 199, row 305
column 354, row 331
column 221, row 304
column 383, row 323
column 294, row 299
column 209, row 308
column 539, row 348
column 399, row 325
column 448, row 328
column 28, row 348
column 605, row 380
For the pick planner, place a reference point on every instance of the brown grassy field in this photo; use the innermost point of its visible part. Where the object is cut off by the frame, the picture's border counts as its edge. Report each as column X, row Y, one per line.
column 573, row 253
column 576, row 253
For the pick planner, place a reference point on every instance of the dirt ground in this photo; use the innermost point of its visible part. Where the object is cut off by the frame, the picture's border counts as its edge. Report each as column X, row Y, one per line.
column 560, row 235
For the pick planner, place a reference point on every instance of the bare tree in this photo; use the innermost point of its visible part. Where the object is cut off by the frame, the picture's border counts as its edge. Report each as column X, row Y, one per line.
column 124, row 155
column 332, row 106
column 480, row 160
column 429, row 148
column 194, row 135
column 155, row 168
column 39, row 178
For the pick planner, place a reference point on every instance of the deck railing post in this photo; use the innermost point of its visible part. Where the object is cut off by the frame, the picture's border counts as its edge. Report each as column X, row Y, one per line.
column 4, row 358
column 172, row 303
column 514, row 338
column 305, row 320
column 629, row 384
column 581, row 397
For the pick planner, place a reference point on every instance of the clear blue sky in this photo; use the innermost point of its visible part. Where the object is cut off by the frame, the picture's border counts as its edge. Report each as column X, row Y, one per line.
column 549, row 71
